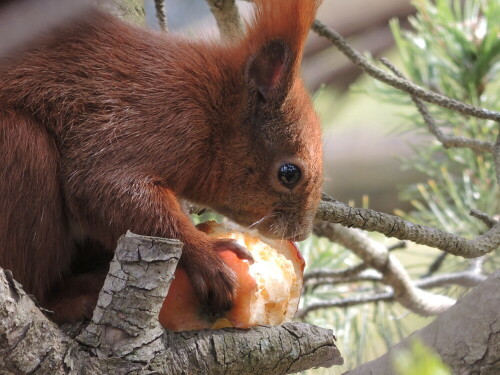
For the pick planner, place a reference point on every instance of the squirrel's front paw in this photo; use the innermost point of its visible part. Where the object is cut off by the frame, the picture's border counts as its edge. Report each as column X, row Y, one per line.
column 212, row 279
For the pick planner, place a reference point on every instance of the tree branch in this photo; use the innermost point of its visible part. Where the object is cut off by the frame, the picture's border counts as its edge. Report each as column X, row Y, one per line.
column 335, row 274
column 466, row 337
column 333, row 211
column 393, row 273
column 125, row 320
column 496, row 155
column 466, row 279
column 124, row 336
column 446, row 140
column 400, row 83
column 161, row 14
column 228, row 18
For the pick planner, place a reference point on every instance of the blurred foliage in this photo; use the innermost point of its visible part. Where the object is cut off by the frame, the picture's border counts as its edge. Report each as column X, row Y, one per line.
column 453, row 48
column 419, row 360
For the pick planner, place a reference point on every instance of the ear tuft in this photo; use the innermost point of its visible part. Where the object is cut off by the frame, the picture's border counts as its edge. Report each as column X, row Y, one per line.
column 268, row 70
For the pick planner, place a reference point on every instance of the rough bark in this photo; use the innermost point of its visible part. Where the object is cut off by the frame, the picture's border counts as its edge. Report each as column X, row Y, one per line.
column 124, row 336
column 467, row 336
column 333, row 211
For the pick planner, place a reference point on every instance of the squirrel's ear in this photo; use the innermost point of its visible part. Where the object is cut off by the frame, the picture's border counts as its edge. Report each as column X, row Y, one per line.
column 268, row 70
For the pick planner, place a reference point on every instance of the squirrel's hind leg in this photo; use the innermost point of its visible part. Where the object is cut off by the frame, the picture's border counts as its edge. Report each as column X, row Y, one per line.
column 35, row 241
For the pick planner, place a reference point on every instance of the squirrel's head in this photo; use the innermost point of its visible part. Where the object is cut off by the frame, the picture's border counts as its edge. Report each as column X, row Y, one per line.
column 272, row 159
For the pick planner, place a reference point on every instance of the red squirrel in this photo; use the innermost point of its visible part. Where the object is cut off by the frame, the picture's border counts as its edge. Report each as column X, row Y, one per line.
column 104, row 126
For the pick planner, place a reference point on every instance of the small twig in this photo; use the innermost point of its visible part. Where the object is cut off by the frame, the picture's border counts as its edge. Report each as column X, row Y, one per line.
column 466, row 279
column 366, row 276
column 496, row 155
column 446, row 140
column 489, row 221
column 400, row 83
column 393, row 273
column 161, row 14
column 334, row 211
column 436, row 265
column 344, row 302
column 398, row 245
column 332, row 274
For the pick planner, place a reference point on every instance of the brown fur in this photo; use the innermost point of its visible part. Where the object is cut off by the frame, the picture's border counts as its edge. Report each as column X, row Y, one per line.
column 103, row 126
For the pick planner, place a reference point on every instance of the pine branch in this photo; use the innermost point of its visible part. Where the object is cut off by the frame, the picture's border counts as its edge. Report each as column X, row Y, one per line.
column 436, row 264
column 399, row 83
column 446, row 140
column 398, row 245
column 344, row 302
column 466, row 279
column 496, row 155
column 333, row 211
column 369, row 275
column 335, row 274
column 393, row 273
column 487, row 220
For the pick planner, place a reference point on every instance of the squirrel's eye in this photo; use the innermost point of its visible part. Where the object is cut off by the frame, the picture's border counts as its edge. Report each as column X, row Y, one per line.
column 289, row 174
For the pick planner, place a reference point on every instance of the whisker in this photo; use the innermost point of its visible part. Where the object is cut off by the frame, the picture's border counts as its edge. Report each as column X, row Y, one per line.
column 283, row 232
column 267, row 216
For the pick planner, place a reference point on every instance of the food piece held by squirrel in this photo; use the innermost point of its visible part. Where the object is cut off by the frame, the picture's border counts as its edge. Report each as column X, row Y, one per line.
column 105, row 127
column 267, row 292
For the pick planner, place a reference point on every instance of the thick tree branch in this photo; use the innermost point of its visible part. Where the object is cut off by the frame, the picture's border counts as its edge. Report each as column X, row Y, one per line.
column 466, row 337
column 333, row 211
column 125, row 321
column 400, row 83
column 124, row 336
